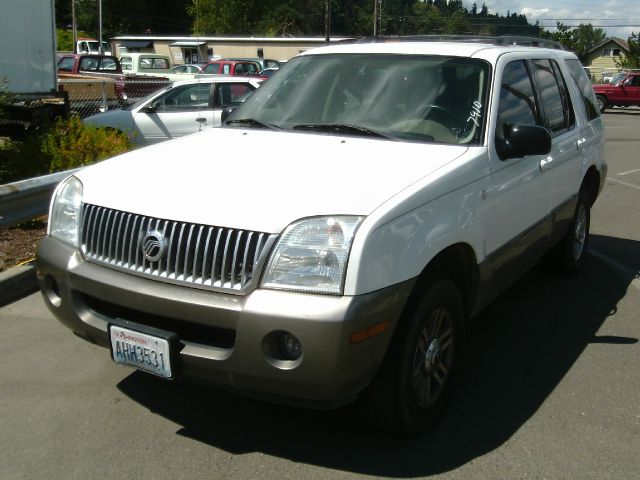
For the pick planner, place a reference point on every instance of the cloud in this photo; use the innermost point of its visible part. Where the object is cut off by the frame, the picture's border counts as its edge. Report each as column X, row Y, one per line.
column 533, row 13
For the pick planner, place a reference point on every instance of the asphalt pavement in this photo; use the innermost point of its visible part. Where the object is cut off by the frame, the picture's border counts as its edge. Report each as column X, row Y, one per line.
column 551, row 388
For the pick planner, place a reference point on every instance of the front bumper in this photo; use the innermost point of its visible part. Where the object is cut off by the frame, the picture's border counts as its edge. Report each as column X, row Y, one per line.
column 226, row 340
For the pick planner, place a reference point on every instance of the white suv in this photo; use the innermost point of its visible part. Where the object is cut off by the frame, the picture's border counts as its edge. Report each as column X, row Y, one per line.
column 330, row 242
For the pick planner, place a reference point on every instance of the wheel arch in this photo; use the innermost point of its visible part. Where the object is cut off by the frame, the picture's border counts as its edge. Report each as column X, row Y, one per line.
column 456, row 263
column 591, row 184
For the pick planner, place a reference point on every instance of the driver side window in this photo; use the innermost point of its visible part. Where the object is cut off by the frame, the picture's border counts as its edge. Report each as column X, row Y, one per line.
column 517, row 100
column 185, row 98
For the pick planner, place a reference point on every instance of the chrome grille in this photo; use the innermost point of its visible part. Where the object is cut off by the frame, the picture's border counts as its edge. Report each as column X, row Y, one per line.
column 200, row 256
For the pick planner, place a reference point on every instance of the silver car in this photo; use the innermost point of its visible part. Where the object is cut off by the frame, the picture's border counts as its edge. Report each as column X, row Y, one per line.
column 185, row 107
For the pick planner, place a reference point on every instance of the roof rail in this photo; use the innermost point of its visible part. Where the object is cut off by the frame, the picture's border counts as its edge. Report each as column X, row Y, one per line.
column 502, row 40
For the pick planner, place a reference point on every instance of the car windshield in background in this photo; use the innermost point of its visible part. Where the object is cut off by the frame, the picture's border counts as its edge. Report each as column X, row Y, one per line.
column 402, row 97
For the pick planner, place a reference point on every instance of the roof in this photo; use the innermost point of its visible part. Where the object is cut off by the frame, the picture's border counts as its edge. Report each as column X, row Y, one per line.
column 624, row 45
column 200, row 38
column 447, row 48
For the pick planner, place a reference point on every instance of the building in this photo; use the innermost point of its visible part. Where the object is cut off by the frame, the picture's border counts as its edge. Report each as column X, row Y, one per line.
column 203, row 49
column 601, row 60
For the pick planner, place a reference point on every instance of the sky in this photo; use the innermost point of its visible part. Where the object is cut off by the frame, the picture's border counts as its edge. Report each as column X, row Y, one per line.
column 618, row 18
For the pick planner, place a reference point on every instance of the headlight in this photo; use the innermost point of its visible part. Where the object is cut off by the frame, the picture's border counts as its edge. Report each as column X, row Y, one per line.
column 64, row 218
column 312, row 254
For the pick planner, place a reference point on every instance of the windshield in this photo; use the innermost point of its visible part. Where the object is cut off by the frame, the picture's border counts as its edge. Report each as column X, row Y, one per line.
column 617, row 78
column 399, row 97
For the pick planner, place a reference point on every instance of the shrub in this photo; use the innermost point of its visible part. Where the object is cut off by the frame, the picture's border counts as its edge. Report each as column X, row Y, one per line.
column 68, row 143
column 22, row 159
column 71, row 144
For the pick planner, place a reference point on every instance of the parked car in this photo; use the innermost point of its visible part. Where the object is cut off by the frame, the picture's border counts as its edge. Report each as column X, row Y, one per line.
column 414, row 182
column 232, row 67
column 151, row 64
column 187, row 68
column 185, row 107
column 97, row 82
column 263, row 62
column 268, row 72
column 622, row 91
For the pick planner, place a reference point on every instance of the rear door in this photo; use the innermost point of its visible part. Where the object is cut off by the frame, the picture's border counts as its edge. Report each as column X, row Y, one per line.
column 562, row 166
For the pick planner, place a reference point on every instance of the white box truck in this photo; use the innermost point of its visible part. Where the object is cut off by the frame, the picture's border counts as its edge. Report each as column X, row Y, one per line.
column 28, row 65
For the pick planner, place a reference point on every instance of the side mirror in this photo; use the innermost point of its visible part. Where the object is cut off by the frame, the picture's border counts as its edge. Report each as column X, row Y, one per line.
column 225, row 113
column 522, row 140
column 148, row 109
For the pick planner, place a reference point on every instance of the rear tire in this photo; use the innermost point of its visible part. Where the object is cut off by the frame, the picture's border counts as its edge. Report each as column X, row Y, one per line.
column 568, row 255
column 413, row 386
column 601, row 103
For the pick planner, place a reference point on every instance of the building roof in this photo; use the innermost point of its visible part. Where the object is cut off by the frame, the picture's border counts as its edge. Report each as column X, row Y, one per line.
column 621, row 43
column 202, row 38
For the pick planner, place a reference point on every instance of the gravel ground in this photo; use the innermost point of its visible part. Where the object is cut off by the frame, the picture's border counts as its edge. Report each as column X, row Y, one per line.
column 18, row 244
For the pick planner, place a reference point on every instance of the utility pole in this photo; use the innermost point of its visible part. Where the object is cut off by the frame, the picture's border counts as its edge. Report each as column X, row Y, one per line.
column 74, row 27
column 327, row 21
column 375, row 18
column 100, row 50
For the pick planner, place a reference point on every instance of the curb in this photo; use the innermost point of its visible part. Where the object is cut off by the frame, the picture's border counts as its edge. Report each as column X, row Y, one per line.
column 17, row 282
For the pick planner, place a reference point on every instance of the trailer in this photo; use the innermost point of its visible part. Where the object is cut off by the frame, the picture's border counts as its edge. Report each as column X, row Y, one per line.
column 28, row 67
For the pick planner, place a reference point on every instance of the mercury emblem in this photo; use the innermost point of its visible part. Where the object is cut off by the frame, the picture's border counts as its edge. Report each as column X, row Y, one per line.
column 153, row 245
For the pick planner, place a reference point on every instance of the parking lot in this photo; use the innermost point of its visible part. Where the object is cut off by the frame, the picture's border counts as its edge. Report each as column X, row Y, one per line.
column 551, row 388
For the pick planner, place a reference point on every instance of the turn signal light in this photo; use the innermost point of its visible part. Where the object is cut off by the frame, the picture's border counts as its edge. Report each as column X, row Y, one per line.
column 361, row 335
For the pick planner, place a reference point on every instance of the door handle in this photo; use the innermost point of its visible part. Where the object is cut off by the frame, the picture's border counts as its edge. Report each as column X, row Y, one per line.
column 201, row 120
column 580, row 142
column 546, row 163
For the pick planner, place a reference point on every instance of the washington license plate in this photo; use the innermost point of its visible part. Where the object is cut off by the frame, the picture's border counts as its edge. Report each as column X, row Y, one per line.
column 141, row 350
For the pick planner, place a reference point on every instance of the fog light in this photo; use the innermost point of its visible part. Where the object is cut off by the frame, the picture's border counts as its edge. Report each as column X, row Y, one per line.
column 52, row 291
column 289, row 346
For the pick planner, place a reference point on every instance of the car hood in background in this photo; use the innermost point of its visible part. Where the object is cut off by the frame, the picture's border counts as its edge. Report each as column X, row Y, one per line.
column 260, row 180
column 118, row 119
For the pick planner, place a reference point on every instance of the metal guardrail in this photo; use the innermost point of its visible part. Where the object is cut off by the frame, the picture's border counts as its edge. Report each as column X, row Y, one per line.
column 24, row 200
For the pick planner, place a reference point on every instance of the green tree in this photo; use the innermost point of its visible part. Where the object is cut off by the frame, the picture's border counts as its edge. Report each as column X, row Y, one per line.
column 631, row 59
column 585, row 38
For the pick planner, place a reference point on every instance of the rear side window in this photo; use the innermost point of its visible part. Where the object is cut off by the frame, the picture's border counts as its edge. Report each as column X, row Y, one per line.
column 584, row 87
column 554, row 96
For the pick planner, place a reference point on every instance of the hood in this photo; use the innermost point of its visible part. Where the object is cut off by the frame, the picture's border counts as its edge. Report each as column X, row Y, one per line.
column 260, row 180
column 120, row 119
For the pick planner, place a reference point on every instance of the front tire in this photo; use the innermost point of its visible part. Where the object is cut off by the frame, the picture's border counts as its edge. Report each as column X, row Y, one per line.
column 413, row 387
column 601, row 103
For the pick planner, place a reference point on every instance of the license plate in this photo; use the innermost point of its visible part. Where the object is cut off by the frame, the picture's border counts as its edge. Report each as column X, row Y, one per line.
column 140, row 350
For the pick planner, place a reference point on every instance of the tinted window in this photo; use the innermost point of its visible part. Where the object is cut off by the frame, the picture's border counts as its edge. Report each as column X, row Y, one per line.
column 231, row 94
column 584, row 87
column 553, row 95
column 517, row 102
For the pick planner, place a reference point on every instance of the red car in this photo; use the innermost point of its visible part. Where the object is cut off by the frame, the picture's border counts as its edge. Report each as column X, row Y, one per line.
column 622, row 91
column 243, row 68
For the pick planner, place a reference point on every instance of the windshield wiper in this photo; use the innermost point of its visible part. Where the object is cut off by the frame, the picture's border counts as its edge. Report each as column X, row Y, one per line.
column 342, row 128
column 251, row 122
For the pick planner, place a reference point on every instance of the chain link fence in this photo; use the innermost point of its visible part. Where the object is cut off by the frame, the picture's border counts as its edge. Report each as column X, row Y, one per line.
column 94, row 95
